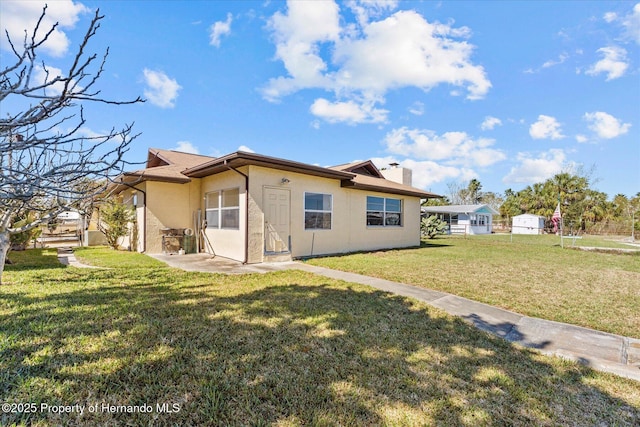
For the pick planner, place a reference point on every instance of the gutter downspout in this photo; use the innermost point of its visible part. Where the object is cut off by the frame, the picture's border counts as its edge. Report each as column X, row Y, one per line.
column 246, row 221
column 144, row 220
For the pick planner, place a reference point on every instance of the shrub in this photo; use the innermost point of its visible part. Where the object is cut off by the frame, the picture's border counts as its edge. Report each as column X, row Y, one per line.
column 115, row 219
column 432, row 226
column 19, row 241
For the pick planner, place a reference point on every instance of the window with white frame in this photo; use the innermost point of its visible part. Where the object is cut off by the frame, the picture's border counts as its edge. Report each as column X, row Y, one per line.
column 318, row 211
column 384, row 212
column 223, row 209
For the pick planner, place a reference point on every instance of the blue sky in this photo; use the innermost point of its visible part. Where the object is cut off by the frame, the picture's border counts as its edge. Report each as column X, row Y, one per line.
column 508, row 92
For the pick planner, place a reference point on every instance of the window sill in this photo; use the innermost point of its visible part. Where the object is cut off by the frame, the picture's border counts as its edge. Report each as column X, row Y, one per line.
column 223, row 228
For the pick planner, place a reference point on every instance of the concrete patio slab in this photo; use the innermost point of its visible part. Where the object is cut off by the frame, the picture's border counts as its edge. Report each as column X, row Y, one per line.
column 211, row 264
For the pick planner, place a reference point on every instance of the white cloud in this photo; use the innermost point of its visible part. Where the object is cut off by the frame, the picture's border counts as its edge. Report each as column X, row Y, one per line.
column 369, row 58
column 546, row 127
column 405, row 50
column 161, row 90
column 219, row 29
column 453, row 148
column 436, row 158
column 348, row 112
column 297, row 36
column 42, row 76
column 82, row 131
column 614, row 63
column 536, row 169
column 245, row 149
column 18, row 16
column 561, row 58
column 490, row 122
column 365, row 9
column 417, row 108
column 426, row 173
column 631, row 23
column 310, row 23
column 186, row 147
column 605, row 125
column 46, row 76
column 581, row 138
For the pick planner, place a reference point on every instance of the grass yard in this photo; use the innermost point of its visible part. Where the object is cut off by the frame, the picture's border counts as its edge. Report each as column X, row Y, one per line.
column 531, row 275
column 285, row 349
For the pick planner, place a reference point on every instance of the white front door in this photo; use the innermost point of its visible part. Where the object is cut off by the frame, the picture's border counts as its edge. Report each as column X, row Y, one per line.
column 277, row 230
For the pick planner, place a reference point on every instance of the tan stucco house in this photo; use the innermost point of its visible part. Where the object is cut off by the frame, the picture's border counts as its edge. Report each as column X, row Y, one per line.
column 254, row 208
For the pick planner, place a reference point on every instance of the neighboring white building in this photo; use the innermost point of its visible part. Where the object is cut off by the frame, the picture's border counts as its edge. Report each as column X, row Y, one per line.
column 528, row 224
column 464, row 219
column 68, row 216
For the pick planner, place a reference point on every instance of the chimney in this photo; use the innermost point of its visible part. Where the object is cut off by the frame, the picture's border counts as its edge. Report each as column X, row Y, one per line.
column 397, row 174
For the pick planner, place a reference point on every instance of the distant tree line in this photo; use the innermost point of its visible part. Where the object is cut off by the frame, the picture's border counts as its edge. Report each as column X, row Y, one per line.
column 582, row 207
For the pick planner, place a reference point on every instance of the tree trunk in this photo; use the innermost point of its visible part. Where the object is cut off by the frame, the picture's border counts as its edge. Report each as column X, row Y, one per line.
column 5, row 244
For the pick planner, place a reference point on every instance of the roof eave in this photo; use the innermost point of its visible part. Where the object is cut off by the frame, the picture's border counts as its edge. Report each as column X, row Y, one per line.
column 239, row 159
column 388, row 190
column 142, row 176
column 443, row 209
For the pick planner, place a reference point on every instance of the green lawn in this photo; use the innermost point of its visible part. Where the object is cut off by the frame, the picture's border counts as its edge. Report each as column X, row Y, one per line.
column 287, row 348
column 531, row 275
column 108, row 258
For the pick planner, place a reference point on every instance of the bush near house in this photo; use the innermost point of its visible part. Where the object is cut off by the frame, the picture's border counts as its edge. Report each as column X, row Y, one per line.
column 432, row 226
column 115, row 220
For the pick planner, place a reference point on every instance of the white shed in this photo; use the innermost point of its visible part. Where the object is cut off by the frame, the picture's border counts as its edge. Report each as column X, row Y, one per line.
column 528, row 224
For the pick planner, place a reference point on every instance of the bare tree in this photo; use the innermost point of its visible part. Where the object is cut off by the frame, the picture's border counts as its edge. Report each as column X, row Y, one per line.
column 44, row 169
column 469, row 195
column 455, row 190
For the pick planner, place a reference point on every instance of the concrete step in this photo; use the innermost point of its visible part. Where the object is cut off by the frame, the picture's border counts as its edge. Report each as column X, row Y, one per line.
column 277, row 257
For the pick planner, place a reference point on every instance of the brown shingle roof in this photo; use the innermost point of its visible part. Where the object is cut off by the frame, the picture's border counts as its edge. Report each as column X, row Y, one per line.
column 241, row 158
column 175, row 166
column 166, row 165
column 178, row 158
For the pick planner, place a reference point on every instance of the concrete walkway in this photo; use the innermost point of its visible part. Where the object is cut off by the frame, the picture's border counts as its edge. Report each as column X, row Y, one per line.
column 66, row 257
column 598, row 350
